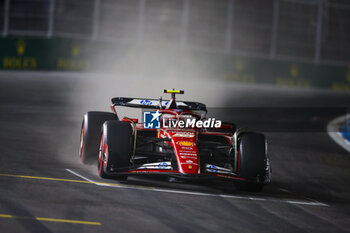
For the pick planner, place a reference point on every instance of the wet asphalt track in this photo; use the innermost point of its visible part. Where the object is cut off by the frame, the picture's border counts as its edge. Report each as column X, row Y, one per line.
column 39, row 139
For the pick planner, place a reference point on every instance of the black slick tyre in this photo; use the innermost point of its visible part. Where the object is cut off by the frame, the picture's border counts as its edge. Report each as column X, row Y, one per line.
column 114, row 149
column 252, row 161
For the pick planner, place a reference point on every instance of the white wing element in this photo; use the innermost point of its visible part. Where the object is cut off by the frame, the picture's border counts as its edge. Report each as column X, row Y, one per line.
column 153, row 102
column 159, row 165
column 215, row 169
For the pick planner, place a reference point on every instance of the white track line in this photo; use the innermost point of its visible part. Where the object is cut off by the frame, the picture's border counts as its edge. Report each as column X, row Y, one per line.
column 302, row 196
column 84, row 178
column 296, row 202
column 333, row 132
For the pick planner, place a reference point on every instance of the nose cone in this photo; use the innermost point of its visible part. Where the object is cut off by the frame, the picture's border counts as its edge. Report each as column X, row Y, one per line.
column 190, row 168
column 186, row 151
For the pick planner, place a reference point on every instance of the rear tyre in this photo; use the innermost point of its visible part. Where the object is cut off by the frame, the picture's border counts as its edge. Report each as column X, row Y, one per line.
column 252, row 161
column 89, row 134
column 114, row 149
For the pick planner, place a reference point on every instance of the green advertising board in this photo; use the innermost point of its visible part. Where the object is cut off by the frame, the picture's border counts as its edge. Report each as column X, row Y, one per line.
column 85, row 55
column 43, row 54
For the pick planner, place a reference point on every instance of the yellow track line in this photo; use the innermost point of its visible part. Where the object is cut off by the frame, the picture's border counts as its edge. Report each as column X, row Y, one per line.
column 74, row 181
column 51, row 219
column 45, row 178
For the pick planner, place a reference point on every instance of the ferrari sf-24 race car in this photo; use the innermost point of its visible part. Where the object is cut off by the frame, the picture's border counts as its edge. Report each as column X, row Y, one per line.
column 175, row 139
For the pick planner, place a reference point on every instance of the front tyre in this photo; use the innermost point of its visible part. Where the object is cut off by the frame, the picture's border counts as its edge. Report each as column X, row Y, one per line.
column 102, row 158
column 115, row 149
column 250, row 187
column 252, row 161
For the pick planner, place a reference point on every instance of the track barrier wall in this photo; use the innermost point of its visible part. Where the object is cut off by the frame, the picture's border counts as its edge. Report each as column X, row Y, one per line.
column 85, row 55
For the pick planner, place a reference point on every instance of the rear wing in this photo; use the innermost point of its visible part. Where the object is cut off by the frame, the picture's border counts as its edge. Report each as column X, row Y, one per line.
column 155, row 103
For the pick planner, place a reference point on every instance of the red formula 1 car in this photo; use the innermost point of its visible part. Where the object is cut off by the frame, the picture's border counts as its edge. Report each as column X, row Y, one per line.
column 174, row 139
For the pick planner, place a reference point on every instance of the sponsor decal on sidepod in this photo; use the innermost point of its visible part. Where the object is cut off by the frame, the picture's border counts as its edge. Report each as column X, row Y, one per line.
column 186, row 143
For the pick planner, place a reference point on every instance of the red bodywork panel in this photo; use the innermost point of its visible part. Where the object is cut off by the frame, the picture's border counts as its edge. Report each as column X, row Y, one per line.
column 185, row 148
column 184, row 143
